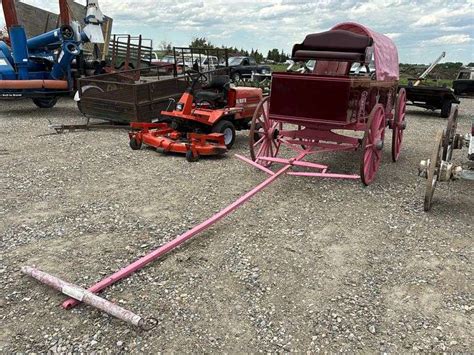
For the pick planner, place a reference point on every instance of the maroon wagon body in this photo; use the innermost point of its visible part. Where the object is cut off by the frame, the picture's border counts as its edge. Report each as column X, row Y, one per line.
column 330, row 95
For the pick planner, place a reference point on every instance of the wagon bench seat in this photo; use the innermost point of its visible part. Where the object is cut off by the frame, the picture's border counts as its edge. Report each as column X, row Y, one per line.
column 333, row 45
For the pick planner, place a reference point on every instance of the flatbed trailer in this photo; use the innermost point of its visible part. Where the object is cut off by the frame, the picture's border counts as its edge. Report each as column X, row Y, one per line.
column 431, row 97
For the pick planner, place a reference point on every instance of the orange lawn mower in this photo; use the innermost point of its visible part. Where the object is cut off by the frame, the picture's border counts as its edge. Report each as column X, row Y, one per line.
column 204, row 121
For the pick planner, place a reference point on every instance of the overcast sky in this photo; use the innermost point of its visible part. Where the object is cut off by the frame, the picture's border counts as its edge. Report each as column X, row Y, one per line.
column 422, row 29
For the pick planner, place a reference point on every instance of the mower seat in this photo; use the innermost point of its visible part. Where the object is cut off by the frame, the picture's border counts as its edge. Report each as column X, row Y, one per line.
column 208, row 96
column 215, row 92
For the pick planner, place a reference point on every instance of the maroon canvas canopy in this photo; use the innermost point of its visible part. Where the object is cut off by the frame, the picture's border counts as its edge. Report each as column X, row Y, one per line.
column 385, row 51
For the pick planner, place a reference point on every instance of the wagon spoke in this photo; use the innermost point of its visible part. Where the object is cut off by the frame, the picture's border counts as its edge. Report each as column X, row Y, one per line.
column 270, row 149
column 276, row 144
column 260, row 140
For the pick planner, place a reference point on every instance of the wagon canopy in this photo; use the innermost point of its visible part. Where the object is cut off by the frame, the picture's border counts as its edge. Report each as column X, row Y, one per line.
column 385, row 51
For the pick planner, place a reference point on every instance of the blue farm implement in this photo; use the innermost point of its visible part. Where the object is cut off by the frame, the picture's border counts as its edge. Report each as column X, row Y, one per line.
column 39, row 67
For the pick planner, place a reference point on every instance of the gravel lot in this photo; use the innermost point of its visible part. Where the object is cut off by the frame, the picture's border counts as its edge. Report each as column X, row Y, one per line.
column 307, row 264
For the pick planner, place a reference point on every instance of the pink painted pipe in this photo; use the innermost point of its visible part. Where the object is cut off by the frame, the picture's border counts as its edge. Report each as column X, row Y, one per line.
column 85, row 296
column 143, row 261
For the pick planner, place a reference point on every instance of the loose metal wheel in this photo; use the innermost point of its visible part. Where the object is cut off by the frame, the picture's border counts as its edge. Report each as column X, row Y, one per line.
column 448, row 139
column 372, row 145
column 399, row 124
column 433, row 171
column 263, row 137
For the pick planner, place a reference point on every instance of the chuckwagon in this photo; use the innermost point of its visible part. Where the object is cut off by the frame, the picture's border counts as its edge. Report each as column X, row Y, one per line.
column 307, row 110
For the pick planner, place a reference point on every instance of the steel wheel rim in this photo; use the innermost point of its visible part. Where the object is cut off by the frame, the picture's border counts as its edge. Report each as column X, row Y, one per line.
column 399, row 120
column 450, row 133
column 432, row 175
column 262, row 140
column 374, row 135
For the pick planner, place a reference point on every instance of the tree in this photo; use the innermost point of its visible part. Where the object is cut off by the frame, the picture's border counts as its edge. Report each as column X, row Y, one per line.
column 201, row 42
column 166, row 47
column 277, row 56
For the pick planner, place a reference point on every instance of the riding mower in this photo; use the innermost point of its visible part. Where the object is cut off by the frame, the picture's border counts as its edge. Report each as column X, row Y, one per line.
column 203, row 122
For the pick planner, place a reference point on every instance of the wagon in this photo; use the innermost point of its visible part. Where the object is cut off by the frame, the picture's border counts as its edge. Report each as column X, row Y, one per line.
column 307, row 111
column 304, row 112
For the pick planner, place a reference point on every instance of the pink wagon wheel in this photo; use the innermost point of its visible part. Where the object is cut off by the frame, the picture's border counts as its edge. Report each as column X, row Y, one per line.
column 399, row 124
column 263, row 134
column 372, row 144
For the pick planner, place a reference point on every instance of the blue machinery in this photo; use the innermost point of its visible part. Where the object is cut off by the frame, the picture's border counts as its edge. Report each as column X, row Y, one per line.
column 40, row 67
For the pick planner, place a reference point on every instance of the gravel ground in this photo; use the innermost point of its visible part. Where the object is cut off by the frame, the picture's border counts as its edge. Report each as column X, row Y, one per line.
column 307, row 265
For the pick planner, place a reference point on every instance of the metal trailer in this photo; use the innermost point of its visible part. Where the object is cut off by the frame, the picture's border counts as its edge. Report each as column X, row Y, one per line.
column 139, row 95
column 129, row 52
column 430, row 97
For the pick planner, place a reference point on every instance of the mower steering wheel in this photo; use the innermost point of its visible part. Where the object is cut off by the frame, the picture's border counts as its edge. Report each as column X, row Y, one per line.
column 194, row 76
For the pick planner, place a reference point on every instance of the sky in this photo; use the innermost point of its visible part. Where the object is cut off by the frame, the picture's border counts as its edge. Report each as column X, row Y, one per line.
column 421, row 29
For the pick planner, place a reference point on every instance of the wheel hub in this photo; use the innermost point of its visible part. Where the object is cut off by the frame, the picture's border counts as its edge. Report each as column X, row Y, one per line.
column 276, row 132
column 379, row 144
column 227, row 135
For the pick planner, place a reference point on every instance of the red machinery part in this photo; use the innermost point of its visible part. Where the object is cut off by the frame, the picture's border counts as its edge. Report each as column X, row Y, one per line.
column 34, row 84
column 64, row 12
column 161, row 135
column 9, row 11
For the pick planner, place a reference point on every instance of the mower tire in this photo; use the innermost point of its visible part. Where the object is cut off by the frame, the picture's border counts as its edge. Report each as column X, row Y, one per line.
column 190, row 157
column 135, row 144
column 227, row 128
column 45, row 102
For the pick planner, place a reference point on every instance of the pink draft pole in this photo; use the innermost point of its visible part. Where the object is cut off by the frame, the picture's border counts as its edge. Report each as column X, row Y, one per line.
column 80, row 294
column 140, row 263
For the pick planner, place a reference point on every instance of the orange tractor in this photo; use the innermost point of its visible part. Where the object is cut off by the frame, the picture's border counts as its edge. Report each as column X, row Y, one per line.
column 203, row 122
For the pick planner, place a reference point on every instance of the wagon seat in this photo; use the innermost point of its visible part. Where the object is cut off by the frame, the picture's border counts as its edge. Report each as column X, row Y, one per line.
column 334, row 51
column 328, row 95
column 215, row 92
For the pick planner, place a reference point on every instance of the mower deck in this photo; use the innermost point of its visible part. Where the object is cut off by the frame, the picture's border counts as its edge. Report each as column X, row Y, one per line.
column 162, row 136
